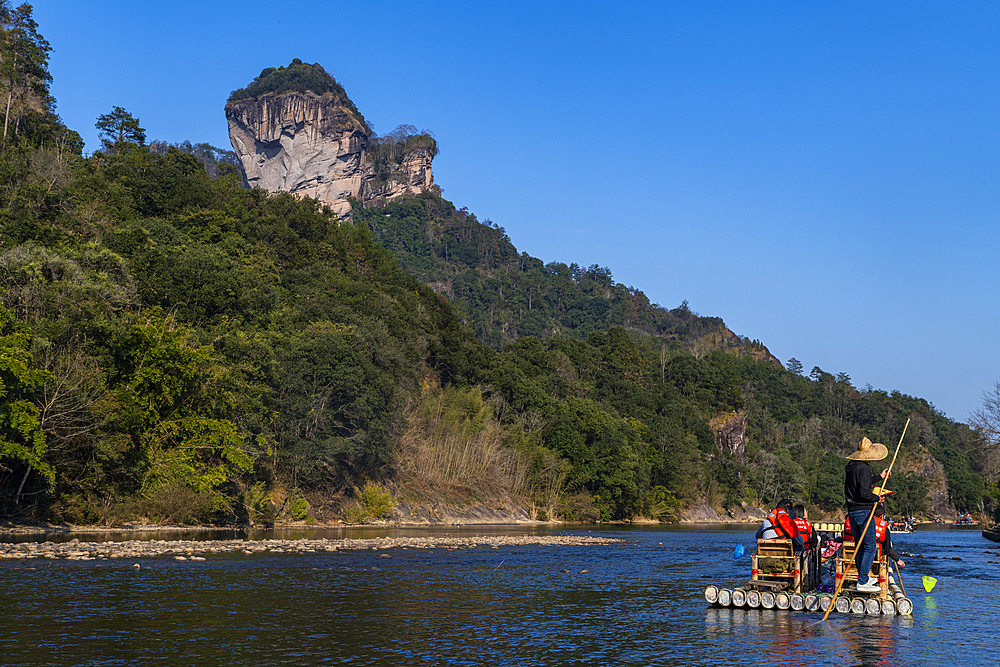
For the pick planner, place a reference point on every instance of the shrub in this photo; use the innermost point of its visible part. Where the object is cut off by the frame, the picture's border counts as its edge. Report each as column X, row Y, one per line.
column 353, row 514
column 256, row 504
column 298, row 508
column 377, row 501
column 175, row 503
column 455, row 440
column 662, row 505
column 374, row 502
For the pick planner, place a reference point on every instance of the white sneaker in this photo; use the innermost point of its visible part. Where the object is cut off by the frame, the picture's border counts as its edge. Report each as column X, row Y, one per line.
column 871, row 587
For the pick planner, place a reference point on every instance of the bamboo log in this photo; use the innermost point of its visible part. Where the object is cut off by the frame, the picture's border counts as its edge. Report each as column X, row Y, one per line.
column 767, row 599
column 811, row 602
column 739, row 597
column 782, row 600
column 725, row 597
column 904, row 607
column 712, row 594
column 753, row 599
column 888, row 608
column 842, row 605
column 798, row 602
column 825, row 602
column 858, row 605
column 873, row 607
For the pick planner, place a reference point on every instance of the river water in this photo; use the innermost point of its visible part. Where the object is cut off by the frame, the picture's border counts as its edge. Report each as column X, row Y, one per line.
column 638, row 603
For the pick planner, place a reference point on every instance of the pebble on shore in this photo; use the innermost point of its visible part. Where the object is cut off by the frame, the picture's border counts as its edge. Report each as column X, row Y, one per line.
column 190, row 550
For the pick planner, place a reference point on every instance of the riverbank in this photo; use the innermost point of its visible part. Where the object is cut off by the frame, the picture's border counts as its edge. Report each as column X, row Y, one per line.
column 705, row 513
column 197, row 550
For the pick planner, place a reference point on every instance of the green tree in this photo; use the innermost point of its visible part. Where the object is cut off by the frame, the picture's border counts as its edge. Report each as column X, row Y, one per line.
column 606, row 456
column 22, row 441
column 986, row 420
column 910, row 494
column 120, row 129
column 171, row 409
column 25, row 67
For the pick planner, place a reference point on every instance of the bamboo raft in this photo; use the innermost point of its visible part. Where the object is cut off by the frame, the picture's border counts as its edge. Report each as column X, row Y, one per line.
column 781, row 579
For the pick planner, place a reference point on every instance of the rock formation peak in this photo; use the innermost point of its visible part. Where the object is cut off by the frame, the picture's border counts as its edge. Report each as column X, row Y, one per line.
column 317, row 144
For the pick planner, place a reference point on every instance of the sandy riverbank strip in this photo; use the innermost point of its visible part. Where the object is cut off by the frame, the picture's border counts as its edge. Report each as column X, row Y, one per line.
column 196, row 550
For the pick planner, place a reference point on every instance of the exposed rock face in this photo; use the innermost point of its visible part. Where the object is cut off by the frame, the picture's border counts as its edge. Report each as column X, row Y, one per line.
column 317, row 146
column 928, row 467
column 705, row 513
column 730, row 433
column 406, row 514
column 724, row 339
column 414, row 176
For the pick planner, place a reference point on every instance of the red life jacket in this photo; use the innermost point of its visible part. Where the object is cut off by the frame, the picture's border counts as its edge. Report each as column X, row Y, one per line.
column 881, row 525
column 805, row 528
column 782, row 524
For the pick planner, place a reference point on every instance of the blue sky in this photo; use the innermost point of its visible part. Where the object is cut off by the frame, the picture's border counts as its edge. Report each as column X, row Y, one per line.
column 823, row 176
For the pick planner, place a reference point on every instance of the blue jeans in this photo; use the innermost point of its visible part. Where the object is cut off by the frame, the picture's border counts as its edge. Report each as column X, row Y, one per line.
column 865, row 554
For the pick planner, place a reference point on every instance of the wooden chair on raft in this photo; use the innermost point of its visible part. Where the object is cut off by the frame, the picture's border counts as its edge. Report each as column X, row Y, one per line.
column 847, row 570
column 777, row 567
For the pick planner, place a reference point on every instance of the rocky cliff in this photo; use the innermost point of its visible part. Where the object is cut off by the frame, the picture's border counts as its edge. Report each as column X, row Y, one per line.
column 730, row 433
column 928, row 467
column 319, row 146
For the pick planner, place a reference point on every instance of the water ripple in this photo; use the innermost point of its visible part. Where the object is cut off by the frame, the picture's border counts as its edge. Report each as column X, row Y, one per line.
column 637, row 604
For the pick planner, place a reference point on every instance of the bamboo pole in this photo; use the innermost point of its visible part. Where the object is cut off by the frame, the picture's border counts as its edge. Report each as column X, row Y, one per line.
column 899, row 578
column 861, row 537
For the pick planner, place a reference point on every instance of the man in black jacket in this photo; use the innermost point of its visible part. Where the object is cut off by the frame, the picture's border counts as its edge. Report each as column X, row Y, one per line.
column 859, row 485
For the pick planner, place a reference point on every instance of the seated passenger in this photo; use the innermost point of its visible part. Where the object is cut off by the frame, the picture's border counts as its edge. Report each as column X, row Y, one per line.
column 779, row 524
column 883, row 537
column 801, row 517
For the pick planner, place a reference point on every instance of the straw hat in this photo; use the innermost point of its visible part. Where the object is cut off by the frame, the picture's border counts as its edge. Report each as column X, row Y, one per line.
column 869, row 451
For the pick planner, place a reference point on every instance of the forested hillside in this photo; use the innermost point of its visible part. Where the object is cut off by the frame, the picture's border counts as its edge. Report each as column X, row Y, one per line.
column 505, row 295
column 798, row 429
column 175, row 347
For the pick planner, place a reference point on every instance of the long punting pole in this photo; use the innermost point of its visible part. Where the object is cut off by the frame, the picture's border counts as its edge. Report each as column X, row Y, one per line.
column 858, row 540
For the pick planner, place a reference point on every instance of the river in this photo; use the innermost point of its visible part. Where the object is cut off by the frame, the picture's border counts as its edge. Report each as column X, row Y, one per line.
column 635, row 603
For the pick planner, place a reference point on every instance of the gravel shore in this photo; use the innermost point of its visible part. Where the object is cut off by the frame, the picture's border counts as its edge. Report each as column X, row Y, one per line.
column 196, row 550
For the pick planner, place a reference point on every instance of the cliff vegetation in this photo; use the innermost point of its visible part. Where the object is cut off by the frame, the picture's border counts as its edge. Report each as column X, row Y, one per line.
column 296, row 77
column 386, row 155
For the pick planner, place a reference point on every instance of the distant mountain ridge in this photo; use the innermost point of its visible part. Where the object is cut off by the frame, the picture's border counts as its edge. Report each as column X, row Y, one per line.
column 504, row 294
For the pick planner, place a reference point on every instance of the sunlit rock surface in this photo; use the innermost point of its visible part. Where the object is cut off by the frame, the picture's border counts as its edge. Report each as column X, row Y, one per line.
column 317, row 146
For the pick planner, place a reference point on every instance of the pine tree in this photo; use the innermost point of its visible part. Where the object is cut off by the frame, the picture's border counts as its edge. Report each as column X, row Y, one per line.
column 795, row 366
column 119, row 129
column 25, row 63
